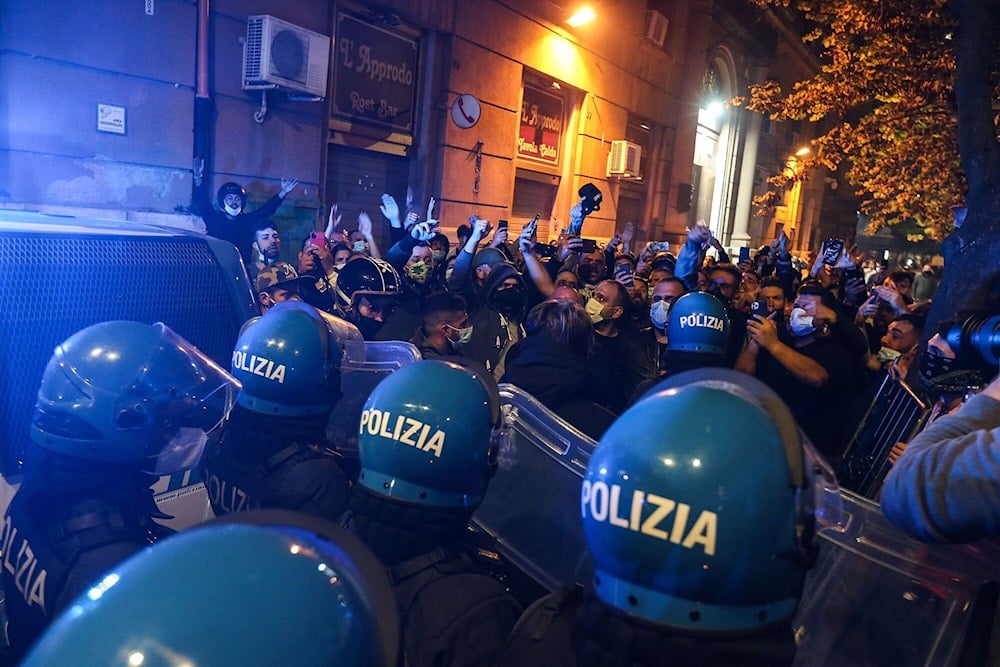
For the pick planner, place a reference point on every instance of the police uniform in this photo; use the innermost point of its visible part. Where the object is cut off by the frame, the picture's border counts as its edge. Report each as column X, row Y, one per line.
column 426, row 460
column 107, row 424
column 54, row 552
column 295, row 477
column 571, row 628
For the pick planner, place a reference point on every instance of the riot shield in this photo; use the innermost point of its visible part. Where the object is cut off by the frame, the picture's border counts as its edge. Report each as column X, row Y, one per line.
column 532, row 506
column 381, row 359
column 183, row 495
column 877, row 597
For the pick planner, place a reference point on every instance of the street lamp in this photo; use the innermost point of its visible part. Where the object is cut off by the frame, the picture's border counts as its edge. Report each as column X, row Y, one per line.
column 581, row 17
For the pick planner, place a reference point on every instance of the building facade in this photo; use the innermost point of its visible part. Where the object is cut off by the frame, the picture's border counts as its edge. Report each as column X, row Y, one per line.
column 497, row 108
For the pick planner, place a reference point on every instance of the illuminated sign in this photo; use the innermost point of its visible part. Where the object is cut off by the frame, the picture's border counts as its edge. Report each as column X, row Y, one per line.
column 375, row 74
column 541, row 126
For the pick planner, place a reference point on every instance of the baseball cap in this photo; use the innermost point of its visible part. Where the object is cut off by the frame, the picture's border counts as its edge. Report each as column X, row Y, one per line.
column 279, row 274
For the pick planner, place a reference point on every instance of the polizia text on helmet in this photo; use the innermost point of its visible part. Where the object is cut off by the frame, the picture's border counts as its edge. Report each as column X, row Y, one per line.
column 261, row 366
column 404, row 430
column 604, row 504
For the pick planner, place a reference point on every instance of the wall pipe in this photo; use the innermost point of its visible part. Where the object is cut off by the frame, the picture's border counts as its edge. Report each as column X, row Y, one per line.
column 202, row 99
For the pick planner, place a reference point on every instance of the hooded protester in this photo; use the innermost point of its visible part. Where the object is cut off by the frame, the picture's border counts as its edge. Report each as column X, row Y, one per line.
column 496, row 320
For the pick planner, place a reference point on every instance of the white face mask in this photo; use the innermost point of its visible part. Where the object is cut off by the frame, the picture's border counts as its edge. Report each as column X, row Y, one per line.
column 658, row 314
column 233, row 210
column 595, row 310
column 359, row 246
column 800, row 323
column 887, row 354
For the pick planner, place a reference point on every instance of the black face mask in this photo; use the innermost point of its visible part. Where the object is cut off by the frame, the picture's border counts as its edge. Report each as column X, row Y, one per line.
column 509, row 301
column 367, row 326
column 940, row 375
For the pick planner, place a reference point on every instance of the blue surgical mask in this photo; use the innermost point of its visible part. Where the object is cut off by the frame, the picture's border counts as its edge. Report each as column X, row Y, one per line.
column 800, row 323
column 358, row 246
column 658, row 314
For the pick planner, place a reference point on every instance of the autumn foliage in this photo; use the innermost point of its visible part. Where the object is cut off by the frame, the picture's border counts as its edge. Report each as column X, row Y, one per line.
column 883, row 103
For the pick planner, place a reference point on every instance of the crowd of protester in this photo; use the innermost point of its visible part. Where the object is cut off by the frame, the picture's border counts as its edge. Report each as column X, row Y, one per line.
column 822, row 337
column 763, row 345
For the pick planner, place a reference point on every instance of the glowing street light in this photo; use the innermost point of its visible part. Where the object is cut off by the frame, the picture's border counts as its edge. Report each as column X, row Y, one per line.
column 581, row 17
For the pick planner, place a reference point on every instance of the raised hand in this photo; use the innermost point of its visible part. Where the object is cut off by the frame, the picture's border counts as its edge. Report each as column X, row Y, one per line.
column 333, row 222
column 287, row 185
column 390, row 209
column 365, row 224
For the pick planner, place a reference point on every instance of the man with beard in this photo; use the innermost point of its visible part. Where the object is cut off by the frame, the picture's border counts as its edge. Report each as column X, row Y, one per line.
column 809, row 367
column 230, row 222
column 621, row 356
column 266, row 245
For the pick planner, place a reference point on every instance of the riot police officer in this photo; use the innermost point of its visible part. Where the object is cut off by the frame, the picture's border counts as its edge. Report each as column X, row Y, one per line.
column 697, row 512
column 261, row 588
column 273, row 453
column 120, row 403
column 428, row 442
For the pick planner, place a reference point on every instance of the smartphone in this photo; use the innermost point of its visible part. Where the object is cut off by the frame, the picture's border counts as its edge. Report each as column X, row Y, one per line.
column 758, row 307
column 660, row 246
column 832, row 248
column 502, row 224
column 545, row 250
column 317, row 238
column 623, row 266
column 588, row 246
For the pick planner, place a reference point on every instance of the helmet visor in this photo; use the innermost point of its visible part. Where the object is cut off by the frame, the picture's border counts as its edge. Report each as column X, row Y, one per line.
column 193, row 396
column 348, row 338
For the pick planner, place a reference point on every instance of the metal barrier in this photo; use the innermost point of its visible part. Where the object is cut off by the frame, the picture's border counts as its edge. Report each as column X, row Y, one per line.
column 895, row 415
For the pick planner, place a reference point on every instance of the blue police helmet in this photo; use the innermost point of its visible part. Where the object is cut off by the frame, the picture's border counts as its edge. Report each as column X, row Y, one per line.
column 255, row 588
column 696, row 509
column 697, row 322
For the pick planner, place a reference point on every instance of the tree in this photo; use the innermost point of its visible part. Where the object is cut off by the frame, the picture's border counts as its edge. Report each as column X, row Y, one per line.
column 906, row 93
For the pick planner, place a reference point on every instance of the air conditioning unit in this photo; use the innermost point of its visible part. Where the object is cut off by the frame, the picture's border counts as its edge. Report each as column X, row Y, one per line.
column 277, row 54
column 623, row 159
column 656, row 27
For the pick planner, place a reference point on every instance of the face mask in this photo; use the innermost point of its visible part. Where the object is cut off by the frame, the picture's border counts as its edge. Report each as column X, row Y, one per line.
column 464, row 335
column 417, row 272
column 367, row 326
column 934, row 364
column 887, row 354
column 508, row 301
column 658, row 314
column 595, row 310
column 359, row 246
column 438, row 255
column 800, row 323
column 233, row 211
column 337, row 266
column 183, row 452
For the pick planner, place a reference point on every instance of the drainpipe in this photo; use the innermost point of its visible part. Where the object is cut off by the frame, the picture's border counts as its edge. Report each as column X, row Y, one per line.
column 202, row 99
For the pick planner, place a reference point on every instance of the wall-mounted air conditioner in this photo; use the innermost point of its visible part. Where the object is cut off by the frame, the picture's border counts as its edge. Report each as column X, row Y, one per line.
column 656, row 27
column 623, row 159
column 277, row 54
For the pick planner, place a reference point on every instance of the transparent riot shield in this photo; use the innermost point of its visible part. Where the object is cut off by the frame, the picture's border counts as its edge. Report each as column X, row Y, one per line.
column 532, row 506
column 357, row 383
column 183, row 495
column 877, row 597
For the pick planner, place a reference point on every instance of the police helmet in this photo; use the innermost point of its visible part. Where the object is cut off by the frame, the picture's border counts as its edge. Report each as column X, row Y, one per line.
column 290, row 359
column 366, row 276
column 696, row 506
column 697, row 322
column 128, row 392
column 257, row 588
column 429, row 435
column 231, row 188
